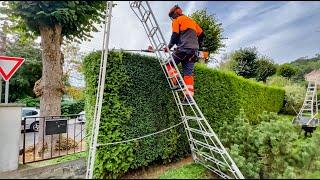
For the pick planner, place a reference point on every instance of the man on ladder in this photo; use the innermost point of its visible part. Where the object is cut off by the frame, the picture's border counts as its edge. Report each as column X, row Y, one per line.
column 188, row 36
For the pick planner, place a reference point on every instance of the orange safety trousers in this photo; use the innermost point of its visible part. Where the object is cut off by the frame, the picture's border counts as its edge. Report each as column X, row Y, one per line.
column 188, row 79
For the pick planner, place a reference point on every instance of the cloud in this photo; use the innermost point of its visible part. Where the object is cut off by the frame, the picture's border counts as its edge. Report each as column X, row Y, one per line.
column 127, row 31
column 267, row 25
column 272, row 29
column 241, row 10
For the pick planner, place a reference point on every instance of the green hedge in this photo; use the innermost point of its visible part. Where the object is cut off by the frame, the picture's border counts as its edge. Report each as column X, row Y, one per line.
column 72, row 107
column 221, row 94
column 137, row 101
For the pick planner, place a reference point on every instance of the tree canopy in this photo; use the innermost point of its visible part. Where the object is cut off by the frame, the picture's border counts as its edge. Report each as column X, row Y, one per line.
column 287, row 70
column 77, row 18
column 245, row 62
column 212, row 30
column 265, row 68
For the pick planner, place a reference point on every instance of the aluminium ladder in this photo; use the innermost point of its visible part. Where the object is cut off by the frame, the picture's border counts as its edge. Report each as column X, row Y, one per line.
column 100, row 90
column 307, row 115
column 206, row 147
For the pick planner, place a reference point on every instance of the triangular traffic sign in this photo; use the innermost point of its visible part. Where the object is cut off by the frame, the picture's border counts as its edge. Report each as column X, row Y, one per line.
column 9, row 65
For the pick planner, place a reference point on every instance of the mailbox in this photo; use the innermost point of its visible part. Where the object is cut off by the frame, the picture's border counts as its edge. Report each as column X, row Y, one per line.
column 56, row 126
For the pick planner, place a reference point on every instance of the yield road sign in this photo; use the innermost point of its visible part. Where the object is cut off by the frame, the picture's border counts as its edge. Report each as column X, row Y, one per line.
column 9, row 65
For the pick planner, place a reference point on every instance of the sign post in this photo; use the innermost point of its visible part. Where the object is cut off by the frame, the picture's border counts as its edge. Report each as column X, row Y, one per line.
column 0, row 90
column 6, row 96
column 8, row 66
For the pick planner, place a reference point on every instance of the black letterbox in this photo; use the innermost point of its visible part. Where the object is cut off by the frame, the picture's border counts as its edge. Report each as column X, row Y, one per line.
column 56, row 126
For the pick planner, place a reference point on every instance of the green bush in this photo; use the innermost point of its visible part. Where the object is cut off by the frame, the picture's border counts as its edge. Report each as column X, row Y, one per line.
column 72, row 107
column 29, row 101
column 294, row 93
column 294, row 98
column 287, row 70
column 137, row 101
column 271, row 149
column 278, row 81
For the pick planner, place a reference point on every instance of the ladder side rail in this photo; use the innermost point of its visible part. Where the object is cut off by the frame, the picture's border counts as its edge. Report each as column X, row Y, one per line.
column 98, row 88
column 97, row 120
column 305, row 99
column 100, row 74
column 316, row 98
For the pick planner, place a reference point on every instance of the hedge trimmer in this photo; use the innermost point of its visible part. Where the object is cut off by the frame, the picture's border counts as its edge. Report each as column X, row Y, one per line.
column 202, row 54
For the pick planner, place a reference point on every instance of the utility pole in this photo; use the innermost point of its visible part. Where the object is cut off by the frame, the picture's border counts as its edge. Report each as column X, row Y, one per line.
column 3, row 44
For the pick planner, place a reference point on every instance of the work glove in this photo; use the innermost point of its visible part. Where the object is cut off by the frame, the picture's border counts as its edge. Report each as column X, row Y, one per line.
column 150, row 49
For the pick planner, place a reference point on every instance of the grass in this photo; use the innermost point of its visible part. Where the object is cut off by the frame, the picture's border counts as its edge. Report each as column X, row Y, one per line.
column 189, row 171
column 286, row 116
column 53, row 161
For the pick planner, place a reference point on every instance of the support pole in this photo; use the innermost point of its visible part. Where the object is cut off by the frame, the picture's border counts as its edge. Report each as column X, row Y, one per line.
column 0, row 90
column 6, row 97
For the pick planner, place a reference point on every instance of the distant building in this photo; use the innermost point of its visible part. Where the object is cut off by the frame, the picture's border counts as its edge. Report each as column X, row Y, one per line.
column 313, row 76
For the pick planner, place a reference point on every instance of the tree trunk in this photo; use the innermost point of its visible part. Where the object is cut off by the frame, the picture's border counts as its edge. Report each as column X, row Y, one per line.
column 51, row 84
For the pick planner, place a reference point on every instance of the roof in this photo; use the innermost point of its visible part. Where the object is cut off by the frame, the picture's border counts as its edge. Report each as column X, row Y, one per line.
column 313, row 76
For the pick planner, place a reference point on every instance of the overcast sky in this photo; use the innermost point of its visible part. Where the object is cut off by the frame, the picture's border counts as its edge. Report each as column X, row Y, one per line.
column 282, row 30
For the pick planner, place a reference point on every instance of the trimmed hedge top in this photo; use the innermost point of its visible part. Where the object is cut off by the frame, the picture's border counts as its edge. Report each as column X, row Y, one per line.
column 138, row 101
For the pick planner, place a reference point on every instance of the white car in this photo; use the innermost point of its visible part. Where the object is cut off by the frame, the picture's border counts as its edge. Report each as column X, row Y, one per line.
column 81, row 118
column 30, row 114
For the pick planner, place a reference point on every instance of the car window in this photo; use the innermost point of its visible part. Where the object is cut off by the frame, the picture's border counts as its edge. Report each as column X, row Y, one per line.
column 28, row 113
column 24, row 112
column 34, row 113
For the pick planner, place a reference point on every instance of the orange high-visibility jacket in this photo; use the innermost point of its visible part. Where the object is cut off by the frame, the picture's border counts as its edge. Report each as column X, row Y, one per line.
column 186, row 33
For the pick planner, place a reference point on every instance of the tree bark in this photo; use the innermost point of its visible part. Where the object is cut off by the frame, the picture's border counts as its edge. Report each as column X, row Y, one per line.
column 51, row 85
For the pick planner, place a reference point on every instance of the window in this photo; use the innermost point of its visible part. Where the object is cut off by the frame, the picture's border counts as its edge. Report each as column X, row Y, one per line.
column 34, row 113
column 29, row 113
column 24, row 112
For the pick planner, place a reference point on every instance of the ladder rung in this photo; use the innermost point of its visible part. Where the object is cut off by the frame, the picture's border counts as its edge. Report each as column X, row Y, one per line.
column 174, row 76
column 160, row 46
column 206, row 156
column 217, row 150
column 200, row 132
column 178, row 89
column 166, row 62
column 192, row 118
column 145, row 16
column 153, row 31
column 186, row 104
column 135, row 4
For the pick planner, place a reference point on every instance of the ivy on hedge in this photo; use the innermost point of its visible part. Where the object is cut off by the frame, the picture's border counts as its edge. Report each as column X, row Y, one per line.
column 138, row 101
